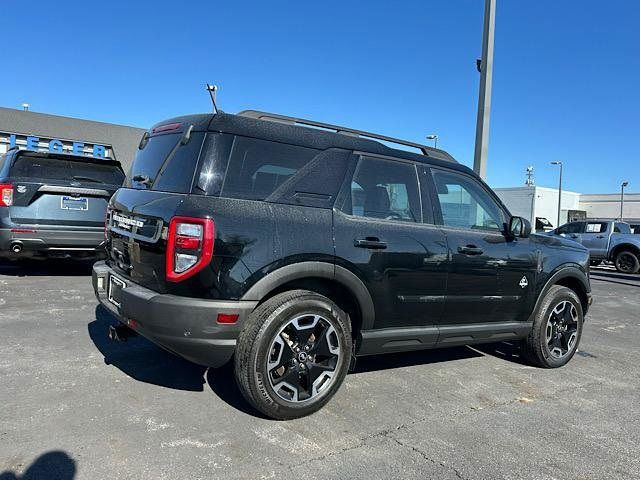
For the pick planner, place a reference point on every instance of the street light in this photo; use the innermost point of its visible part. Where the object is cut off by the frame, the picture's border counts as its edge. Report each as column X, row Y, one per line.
column 622, row 185
column 558, row 162
column 433, row 137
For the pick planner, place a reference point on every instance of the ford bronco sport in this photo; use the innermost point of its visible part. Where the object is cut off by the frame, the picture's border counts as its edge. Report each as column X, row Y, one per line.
column 294, row 246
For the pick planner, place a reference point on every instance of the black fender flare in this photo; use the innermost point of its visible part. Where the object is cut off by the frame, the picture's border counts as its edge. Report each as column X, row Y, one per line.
column 329, row 271
column 564, row 271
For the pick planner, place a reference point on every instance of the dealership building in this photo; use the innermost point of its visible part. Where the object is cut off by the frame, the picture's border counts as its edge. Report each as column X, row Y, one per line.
column 534, row 202
column 44, row 132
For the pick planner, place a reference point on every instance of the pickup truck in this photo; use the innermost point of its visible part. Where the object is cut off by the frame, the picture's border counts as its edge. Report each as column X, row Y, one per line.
column 606, row 240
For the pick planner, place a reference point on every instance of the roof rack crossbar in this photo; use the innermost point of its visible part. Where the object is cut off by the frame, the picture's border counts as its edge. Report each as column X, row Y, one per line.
column 424, row 149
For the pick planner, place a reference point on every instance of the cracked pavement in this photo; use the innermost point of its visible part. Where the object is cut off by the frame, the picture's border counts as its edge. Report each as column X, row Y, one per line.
column 131, row 411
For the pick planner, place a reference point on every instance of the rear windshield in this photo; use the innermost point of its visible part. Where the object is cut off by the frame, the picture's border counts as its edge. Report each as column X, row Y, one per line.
column 165, row 152
column 66, row 170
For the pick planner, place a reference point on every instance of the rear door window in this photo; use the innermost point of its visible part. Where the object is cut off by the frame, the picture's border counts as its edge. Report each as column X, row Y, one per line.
column 43, row 168
column 385, row 189
column 257, row 167
column 596, row 227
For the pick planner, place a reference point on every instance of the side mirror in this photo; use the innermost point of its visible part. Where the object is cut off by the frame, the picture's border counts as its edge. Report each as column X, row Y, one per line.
column 519, row 227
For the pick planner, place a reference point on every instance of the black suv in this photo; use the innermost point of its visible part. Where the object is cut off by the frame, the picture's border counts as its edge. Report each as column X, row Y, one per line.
column 53, row 204
column 296, row 249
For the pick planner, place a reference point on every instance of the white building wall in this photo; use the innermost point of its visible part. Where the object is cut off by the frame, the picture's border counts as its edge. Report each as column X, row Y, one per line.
column 608, row 205
column 532, row 202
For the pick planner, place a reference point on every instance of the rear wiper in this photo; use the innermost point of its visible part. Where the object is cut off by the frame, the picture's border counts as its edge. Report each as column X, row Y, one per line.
column 88, row 179
column 144, row 179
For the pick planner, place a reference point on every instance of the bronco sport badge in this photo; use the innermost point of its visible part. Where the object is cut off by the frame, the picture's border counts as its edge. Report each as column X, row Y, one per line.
column 524, row 282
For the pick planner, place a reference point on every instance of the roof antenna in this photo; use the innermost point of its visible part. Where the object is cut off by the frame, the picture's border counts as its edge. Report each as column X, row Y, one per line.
column 212, row 89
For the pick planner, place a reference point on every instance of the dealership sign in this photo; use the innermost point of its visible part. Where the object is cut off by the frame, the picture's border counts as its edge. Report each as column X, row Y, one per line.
column 55, row 145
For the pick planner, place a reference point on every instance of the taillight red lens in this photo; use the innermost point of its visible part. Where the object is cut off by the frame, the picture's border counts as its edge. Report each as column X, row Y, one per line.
column 189, row 246
column 189, row 243
column 6, row 195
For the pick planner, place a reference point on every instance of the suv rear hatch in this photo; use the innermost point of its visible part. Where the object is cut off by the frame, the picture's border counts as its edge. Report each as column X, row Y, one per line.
column 58, row 191
column 139, row 215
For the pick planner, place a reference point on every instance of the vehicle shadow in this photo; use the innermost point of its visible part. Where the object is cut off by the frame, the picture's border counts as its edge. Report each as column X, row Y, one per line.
column 509, row 351
column 142, row 360
column 48, row 268
column 50, row 465
column 409, row 359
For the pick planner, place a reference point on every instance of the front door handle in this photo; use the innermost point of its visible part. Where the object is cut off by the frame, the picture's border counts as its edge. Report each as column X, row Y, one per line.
column 373, row 243
column 600, row 236
column 470, row 250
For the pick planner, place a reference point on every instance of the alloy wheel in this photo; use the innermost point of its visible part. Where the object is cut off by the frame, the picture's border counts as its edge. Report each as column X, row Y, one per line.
column 562, row 329
column 626, row 262
column 303, row 358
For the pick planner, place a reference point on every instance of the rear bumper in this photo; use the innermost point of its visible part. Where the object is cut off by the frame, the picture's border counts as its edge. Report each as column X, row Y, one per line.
column 35, row 240
column 185, row 326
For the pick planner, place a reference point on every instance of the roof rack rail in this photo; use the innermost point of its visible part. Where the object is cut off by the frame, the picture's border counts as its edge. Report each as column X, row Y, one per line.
column 274, row 117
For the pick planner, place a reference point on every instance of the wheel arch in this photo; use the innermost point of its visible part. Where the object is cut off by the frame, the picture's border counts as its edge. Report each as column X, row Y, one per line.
column 622, row 247
column 337, row 283
column 572, row 277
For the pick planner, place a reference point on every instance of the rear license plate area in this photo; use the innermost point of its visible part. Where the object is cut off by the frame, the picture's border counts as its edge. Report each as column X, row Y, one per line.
column 115, row 290
column 74, row 203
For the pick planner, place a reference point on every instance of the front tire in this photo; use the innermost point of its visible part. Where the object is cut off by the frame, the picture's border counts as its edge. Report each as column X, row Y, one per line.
column 293, row 354
column 556, row 331
column 627, row 262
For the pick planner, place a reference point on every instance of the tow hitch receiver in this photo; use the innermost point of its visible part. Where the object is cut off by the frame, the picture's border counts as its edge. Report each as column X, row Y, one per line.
column 120, row 333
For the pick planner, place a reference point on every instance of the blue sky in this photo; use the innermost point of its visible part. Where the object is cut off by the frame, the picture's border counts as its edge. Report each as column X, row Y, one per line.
column 566, row 74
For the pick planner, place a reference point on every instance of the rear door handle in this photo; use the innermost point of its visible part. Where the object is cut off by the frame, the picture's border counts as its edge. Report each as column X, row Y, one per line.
column 373, row 243
column 470, row 250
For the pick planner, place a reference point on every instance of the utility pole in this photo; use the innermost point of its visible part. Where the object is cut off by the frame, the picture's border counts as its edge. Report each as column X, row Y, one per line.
column 559, row 190
column 484, row 101
column 622, row 185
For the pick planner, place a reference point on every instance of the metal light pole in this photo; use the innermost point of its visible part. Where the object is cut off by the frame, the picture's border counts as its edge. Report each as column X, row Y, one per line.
column 622, row 185
column 433, row 137
column 559, row 190
column 484, row 101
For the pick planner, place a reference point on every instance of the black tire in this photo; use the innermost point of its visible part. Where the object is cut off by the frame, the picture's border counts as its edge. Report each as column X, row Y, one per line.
column 536, row 348
column 627, row 262
column 261, row 337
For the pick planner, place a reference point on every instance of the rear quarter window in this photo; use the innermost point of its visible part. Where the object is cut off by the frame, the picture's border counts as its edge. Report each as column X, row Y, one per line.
column 257, row 167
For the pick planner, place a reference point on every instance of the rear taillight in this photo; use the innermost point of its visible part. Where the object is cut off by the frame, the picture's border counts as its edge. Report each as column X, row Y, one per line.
column 189, row 246
column 6, row 195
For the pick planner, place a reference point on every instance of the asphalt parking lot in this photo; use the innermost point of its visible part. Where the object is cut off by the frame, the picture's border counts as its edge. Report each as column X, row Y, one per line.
column 75, row 405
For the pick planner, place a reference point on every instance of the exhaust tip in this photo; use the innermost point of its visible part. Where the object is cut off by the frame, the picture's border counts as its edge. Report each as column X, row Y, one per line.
column 16, row 247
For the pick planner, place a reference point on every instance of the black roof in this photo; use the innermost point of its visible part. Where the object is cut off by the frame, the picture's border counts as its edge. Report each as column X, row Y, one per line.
column 307, row 137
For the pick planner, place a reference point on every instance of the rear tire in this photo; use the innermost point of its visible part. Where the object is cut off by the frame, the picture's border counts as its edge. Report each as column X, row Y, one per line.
column 556, row 331
column 627, row 262
column 293, row 354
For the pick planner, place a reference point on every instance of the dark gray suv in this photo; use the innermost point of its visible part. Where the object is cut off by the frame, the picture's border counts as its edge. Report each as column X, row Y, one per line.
column 54, row 204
